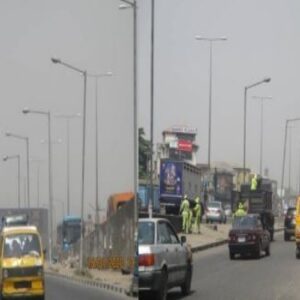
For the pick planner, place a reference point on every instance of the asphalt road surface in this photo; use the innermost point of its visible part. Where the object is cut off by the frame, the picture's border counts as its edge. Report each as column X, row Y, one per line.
column 62, row 289
column 216, row 277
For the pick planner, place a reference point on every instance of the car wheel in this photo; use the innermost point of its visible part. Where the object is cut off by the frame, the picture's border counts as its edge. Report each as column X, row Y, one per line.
column 297, row 253
column 258, row 251
column 186, row 287
column 163, row 290
column 231, row 255
column 268, row 253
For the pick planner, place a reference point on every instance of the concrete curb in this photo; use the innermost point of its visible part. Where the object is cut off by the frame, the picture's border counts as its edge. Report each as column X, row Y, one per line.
column 91, row 282
column 218, row 243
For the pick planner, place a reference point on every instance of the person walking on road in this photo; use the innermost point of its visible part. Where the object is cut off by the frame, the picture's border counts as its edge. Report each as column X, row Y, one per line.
column 197, row 211
column 240, row 212
column 185, row 212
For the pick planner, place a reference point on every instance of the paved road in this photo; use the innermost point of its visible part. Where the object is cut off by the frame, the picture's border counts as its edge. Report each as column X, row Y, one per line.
column 268, row 278
column 62, row 289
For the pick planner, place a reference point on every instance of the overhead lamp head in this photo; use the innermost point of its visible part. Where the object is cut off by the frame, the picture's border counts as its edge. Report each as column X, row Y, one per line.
column 55, row 60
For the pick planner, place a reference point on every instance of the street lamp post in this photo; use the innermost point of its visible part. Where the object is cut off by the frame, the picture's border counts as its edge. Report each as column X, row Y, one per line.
column 210, row 40
column 26, row 139
column 48, row 115
column 84, row 73
column 68, row 118
column 5, row 158
column 97, row 77
column 265, row 80
column 262, row 99
column 133, row 5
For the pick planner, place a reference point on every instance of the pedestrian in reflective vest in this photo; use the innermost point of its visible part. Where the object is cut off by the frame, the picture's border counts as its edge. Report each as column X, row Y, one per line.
column 184, row 210
column 197, row 212
column 240, row 212
column 254, row 183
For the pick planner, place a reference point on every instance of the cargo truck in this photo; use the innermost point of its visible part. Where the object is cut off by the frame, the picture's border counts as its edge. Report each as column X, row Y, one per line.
column 259, row 201
column 178, row 178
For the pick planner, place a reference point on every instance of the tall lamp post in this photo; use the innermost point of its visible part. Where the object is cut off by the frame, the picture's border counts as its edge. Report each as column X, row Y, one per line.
column 84, row 73
column 5, row 158
column 68, row 118
column 265, row 80
column 211, row 41
column 262, row 99
column 48, row 115
column 133, row 5
column 287, row 122
column 26, row 139
column 97, row 77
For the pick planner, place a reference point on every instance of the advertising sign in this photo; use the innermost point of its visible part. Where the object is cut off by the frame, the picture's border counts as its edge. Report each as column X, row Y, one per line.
column 171, row 178
column 184, row 145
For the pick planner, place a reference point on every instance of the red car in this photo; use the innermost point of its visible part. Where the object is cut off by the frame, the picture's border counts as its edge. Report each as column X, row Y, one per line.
column 248, row 236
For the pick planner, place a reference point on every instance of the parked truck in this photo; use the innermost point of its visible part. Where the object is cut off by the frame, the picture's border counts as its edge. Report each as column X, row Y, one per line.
column 260, row 201
column 36, row 216
column 177, row 178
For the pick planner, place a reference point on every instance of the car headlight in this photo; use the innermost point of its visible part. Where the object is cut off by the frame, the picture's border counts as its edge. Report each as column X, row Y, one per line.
column 5, row 273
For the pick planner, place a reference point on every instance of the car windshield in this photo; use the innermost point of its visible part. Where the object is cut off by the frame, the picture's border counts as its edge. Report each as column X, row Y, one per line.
column 18, row 245
column 244, row 222
column 214, row 205
column 146, row 233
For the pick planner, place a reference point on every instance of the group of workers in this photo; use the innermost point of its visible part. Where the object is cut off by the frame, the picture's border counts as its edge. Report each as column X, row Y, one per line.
column 190, row 216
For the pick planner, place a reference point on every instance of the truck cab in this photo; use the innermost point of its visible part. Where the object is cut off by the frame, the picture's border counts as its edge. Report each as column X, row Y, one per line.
column 21, row 263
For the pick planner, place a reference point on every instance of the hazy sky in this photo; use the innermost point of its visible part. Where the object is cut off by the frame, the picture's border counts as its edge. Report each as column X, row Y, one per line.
column 263, row 40
column 93, row 35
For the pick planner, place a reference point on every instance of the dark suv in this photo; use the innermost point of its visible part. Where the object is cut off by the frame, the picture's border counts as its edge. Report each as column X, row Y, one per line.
column 289, row 223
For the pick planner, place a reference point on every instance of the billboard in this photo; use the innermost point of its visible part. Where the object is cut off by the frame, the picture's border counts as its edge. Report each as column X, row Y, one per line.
column 171, row 178
column 184, row 145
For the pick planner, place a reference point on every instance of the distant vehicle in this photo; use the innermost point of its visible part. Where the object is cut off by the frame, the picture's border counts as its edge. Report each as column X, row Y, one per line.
column 260, row 202
column 164, row 260
column 215, row 212
column 228, row 211
column 115, row 202
column 27, row 216
column 289, row 223
column 21, row 263
column 177, row 178
column 68, row 232
column 248, row 236
column 297, row 228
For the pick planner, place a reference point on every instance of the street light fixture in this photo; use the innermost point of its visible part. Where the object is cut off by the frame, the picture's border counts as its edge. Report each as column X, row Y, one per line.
column 48, row 115
column 262, row 99
column 5, row 158
column 84, row 73
column 26, row 139
column 210, row 40
column 68, row 118
column 265, row 80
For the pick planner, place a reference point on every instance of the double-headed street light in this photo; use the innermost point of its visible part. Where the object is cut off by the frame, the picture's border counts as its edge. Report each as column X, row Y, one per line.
column 48, row 115
column 265, row 80
column 84, row 73
column 5, row 158
column 211, row 41
column 262, row 99
column 26, row 139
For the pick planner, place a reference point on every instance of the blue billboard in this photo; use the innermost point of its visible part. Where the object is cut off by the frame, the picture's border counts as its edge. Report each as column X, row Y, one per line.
column 171, row 178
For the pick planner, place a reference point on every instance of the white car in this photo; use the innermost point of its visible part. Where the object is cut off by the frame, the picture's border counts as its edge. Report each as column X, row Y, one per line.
column 164, row 260
column 215, row 212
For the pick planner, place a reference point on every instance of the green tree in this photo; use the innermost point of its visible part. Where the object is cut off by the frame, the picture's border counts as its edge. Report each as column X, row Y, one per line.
column 144, row 154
